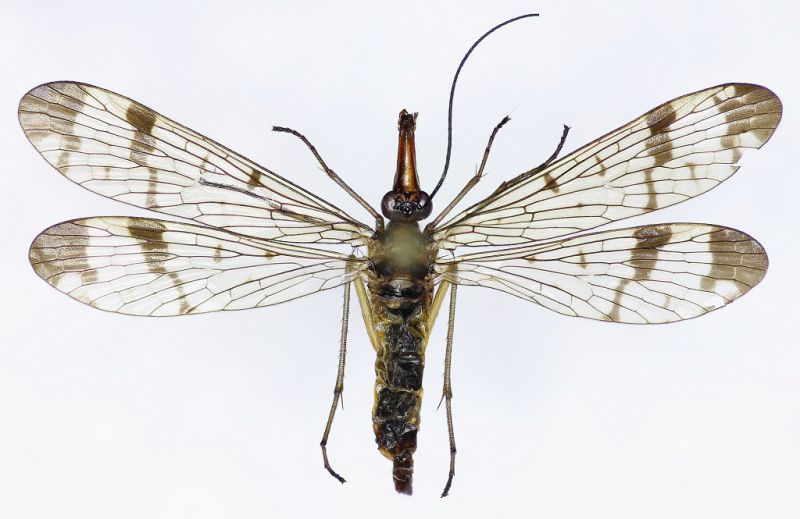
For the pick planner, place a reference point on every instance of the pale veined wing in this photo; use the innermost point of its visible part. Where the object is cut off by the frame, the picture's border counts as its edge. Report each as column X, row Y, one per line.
column 142, row 266
column 652, row 274
column 123, row 150
column 676, row 151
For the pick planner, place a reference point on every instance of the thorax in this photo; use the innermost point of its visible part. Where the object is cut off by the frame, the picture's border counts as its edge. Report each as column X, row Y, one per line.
column 401, row 279
column 401, row 253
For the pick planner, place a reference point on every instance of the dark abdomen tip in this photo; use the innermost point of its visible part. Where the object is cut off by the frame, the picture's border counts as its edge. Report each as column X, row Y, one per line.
column 401, row 472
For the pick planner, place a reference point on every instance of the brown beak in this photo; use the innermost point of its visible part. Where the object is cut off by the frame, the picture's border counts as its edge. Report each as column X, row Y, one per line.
column 405, row 179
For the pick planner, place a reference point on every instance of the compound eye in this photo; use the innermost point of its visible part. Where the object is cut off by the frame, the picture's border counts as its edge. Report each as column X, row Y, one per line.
column 388, row 205
column 425, row 205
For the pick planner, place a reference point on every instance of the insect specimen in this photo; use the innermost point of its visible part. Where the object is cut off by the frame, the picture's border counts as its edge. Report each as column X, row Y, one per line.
column 251, row 238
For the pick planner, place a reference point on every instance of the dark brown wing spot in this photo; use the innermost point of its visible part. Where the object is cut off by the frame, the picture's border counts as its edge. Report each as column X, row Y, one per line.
column 614, row 314
column 735, row 257
column 652, row 204
column 550, row 183
column 184, row 304
column 660, row 118
column 254, row 178
column 139, row 150
column 141, row 118
column 659, row 147
column 45, row 263
column 645, row 254
column 152, row 187
column 88, row 277
column 58, row 250
column 62, row 161
column 643, row 258
column 740, row 89
column 149, row 230
column 729, row 105
column 154, row 248
column 652, row 236
column 729, row 141
column 31, row 102
column 142, row 144
column 71, row 143
column 582, row 259
column 156, row 251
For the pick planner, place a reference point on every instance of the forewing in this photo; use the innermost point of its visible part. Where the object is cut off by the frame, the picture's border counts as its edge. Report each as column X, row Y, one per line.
column 142, row 266
column 676, row 151
column 123, row 150
column 653, row 274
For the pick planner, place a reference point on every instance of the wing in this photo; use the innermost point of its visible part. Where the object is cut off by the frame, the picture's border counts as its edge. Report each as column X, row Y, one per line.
column 142, row 266
column 674, row 152
column 652, row 274
column 123, row 150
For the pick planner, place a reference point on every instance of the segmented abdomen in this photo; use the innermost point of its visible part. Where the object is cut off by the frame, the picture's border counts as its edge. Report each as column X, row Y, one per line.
column 401, row 307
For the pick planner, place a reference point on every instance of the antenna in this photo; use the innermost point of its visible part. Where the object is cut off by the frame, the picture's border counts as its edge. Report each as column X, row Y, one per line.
column 453, row 90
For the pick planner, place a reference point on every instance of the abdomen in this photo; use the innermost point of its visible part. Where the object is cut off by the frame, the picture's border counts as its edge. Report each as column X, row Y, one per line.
column 401, row 306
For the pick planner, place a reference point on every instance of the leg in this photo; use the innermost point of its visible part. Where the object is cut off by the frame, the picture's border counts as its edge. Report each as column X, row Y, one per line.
column 473, row 181
column 437, row 303
column 552, row 157
column 336, row 178
column 337, row 390
column 537, row 169
column 447, row 390
column 366, row 312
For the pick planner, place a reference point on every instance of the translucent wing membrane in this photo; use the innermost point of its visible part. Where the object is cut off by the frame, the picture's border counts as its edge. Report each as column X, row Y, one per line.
column 121, row 149
column 142, row 266
column 676, row 151
column 652, row 274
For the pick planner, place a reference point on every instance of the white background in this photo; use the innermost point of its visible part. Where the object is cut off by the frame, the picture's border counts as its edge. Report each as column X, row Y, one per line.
column 107, row 416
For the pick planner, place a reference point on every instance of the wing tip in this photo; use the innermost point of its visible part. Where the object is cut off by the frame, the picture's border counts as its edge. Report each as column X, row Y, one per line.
column 44, row 260
column 40, row 121
column 751, row 269
column 769, row 113
column 760, row 258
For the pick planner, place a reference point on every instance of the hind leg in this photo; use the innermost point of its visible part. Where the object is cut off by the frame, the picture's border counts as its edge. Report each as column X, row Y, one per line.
column 447, row 390
column 337, row 389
